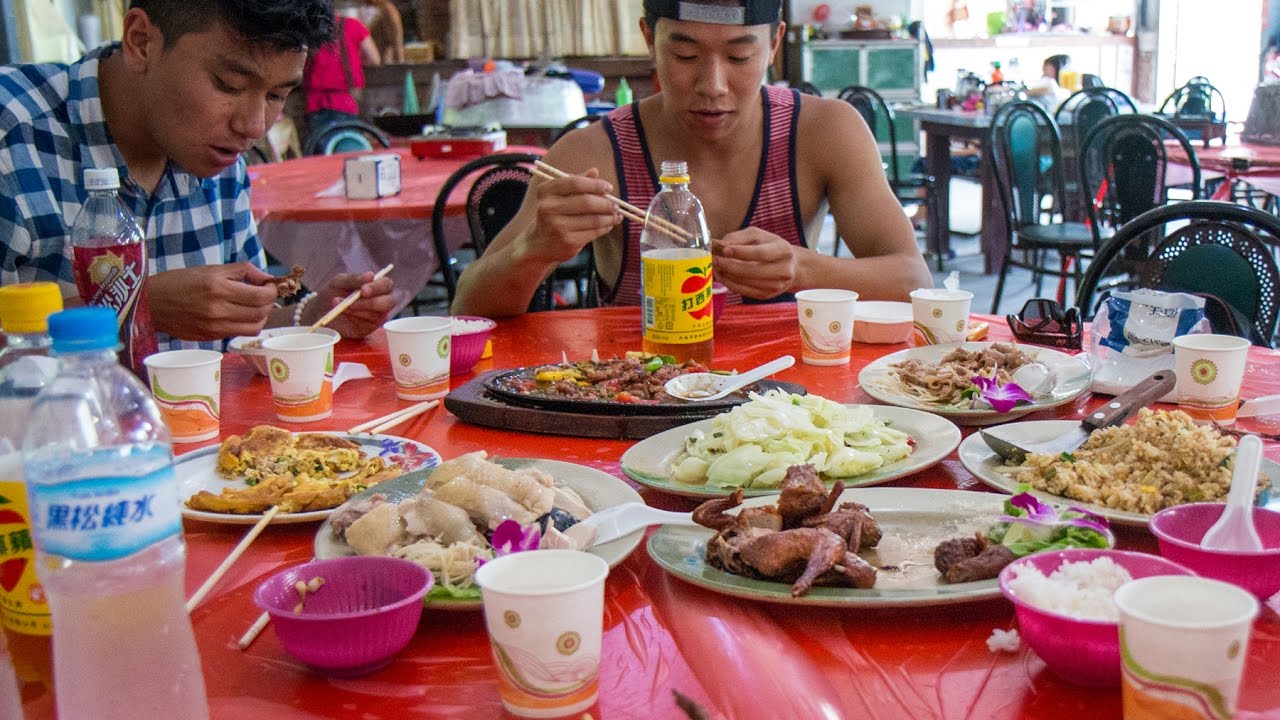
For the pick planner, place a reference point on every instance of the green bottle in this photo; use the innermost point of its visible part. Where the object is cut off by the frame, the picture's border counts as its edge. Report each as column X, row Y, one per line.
column 410, row 94
column 623, row 96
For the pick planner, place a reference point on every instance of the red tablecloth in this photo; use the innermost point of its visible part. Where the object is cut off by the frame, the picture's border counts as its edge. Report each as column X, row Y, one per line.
column 741, row 659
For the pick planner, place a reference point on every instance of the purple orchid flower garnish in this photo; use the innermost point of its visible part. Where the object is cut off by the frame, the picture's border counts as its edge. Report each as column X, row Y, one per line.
column 1088, row 520
column 510, row 537
column 1002, row 398
column 1034, row 509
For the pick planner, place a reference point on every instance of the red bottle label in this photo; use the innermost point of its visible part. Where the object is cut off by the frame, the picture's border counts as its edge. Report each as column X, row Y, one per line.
column 115, row 277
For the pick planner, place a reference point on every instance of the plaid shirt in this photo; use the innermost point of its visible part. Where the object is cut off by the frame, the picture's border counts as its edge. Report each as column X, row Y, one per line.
column 52, row 129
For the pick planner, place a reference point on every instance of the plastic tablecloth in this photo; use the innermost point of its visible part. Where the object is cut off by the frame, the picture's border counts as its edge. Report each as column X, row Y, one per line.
column 738, row 659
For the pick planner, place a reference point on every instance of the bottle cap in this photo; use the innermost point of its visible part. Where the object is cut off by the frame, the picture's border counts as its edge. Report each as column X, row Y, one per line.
column 83, row 329
column 26, row 307
column 101, row 178
column 674, row 171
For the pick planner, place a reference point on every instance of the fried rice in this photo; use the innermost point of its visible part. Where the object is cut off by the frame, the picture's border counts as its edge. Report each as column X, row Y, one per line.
column 1161, row 460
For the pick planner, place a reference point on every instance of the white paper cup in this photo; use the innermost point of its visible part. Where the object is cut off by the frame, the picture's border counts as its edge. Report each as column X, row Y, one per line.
column 941, row 316
column 826, row 325
column 187, row 386
column 301, row 372
column 1183, row 642
column 1209, row 370
column 544, row 610
column 420, row 349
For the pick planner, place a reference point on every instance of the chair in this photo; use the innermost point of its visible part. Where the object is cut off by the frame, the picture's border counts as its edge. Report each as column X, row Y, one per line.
column 1089, row 81
column 1026, row 154
column 1198, row 108
column 581, row 122
column 807, row 88
column 873, row 109
column 345, row 135
column 1076, row 116
column 1237, row 242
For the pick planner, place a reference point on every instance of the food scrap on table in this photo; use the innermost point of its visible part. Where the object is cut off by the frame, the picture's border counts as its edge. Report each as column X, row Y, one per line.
column 1004, row 640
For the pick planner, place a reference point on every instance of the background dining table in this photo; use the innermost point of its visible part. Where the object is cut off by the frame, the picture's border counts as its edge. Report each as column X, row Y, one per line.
column 735, row 657
column 1237, row 161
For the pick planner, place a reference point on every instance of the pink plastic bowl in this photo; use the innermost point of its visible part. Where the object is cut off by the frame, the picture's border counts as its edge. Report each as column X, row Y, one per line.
column 1180, row 529
column 366, row 611
column 469, row 346
column 719, row 299
column 1085, row 652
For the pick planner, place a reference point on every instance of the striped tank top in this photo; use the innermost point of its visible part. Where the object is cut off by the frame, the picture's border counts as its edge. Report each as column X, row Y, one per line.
column 775, row 205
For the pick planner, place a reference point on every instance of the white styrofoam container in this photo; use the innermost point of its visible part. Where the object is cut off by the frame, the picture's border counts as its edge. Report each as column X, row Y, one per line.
column 369, row 177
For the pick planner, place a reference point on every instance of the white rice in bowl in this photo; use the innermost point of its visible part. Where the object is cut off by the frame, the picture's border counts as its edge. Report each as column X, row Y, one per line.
column 463, row 326
column 1082, row 590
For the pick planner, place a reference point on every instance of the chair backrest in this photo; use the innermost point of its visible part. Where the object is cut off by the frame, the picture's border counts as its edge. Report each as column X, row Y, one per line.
column 1026, row 152
column 874, row 110
column 1089, row 80
column 345, row 135
column 581, row 122
column 1198, row 98
column 807, row 88
column 1215, row 248
column 1123, row 164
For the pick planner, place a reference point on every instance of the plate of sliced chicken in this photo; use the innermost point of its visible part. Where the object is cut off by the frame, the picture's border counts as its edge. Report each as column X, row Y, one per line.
column 814, row 545
column 454, row 517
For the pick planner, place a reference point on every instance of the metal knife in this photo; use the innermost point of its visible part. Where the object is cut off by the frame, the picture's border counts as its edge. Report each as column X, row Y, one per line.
column 1112, row 413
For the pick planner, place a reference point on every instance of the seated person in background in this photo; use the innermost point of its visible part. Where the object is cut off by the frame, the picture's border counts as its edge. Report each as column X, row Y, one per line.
column 172, row 107
column 335, row 72
column 1046, row 91
column 764, row 161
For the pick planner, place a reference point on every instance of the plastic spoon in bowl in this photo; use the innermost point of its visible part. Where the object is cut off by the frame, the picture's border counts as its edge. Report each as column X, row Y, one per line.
column 701, row 387
column 612, row 523
column 1234, row 529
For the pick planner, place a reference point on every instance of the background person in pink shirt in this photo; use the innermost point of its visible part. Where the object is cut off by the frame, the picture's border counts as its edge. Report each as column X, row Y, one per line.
column 335, row 73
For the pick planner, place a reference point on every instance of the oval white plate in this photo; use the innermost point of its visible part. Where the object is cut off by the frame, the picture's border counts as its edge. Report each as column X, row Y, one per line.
column 1074, row 377
column 197, row 470
column 598, row 489
column 648, row 462
column 983, row 462
column 913, row 520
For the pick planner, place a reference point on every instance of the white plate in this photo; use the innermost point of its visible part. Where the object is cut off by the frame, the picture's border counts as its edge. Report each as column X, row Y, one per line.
column 983, row 462
column 598, row 489
column 197, row 471
column 648, row 462
column 913, row 520
column 1074, row 377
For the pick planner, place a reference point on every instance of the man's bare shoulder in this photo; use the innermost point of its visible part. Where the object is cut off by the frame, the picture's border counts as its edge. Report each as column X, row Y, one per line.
column 830, row 133
column 582, row 149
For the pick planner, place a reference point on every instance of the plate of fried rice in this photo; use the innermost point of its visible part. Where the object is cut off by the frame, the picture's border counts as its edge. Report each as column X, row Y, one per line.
column 1125, row 473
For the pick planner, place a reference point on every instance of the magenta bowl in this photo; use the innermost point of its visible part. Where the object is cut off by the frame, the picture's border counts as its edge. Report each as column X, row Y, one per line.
column 366, row 611
column 1084, row 652
column 1180, row 528
column 468, row 345
column 719, row 299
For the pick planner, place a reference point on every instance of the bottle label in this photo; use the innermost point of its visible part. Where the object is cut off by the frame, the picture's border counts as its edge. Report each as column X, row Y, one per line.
column 22, row 602
column 99, row 519
column 115, row 277
column 677, row 296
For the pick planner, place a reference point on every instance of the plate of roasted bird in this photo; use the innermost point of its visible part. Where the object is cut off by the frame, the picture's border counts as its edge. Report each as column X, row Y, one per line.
column 306, row 475
column 629, row 385
column 453, row 517
column 977, row 383
column 751, row 446
column 867, row 547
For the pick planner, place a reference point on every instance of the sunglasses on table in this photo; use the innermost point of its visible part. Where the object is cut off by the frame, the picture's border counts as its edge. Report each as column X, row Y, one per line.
column 1043, row 321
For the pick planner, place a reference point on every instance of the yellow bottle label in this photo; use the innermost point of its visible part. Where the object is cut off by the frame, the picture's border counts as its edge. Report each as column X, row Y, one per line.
column 24, row 607
column 677, row 296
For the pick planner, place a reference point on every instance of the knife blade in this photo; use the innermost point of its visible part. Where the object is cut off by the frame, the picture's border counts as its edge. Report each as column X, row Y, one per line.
column 1114, row 412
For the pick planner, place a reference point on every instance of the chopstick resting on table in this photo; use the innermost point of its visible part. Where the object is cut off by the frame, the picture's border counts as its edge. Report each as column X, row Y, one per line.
column 390, row 420
column 548, row 172
column 252, row 633
column 231, row 558
column 346, row 302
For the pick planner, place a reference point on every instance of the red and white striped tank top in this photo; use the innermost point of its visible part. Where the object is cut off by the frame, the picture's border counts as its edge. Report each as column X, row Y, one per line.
column 775, row 206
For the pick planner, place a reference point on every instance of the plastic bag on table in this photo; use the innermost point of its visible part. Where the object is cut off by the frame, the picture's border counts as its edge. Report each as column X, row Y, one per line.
column 1133, row 335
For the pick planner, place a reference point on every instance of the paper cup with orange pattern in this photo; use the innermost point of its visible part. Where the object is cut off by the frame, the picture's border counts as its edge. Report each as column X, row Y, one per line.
column 301, row 371
column 1183, row 643
column 941, row 316
column 826, row 325
column 420, row 350
column 544, row 610
column 187, row 386
column 1209, row 370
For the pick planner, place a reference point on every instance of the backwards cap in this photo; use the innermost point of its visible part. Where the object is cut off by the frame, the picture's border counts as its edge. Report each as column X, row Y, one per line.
column 746, row 12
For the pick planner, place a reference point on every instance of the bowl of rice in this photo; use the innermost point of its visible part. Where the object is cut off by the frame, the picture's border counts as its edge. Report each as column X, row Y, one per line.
column 1064, row 603
column 1180, row 530
column 470, row 334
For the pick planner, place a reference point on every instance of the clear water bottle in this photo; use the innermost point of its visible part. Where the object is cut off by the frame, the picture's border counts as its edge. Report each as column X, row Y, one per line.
column 109, row 260
column 108, row 532
column 25, row 368
column 675, row 271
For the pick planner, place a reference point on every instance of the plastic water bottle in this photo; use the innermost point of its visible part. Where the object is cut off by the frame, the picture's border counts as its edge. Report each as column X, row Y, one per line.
column 108, row 532
column 623, row 95
column 109, row 260
column 25, row 368
column 675, row 271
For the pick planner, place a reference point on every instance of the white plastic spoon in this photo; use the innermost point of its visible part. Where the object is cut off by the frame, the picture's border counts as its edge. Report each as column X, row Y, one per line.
column 701, row 387
column 1234, row 529
column 612, row 523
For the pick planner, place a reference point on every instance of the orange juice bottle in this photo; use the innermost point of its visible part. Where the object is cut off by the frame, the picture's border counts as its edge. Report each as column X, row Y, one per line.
column 675, row 271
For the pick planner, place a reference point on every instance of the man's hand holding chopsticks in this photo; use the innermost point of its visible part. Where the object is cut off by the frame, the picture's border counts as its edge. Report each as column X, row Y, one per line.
column 572, row 211
column 211, row 302
column 365, row 315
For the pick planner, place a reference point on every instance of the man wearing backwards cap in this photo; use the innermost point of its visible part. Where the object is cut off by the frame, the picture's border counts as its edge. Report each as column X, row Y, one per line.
column 765, row 163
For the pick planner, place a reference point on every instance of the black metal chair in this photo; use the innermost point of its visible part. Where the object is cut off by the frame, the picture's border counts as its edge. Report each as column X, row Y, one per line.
column 1076, row 116
column 345, row 135
column 908, row 188
column 1198, row 109
column 1026, row 154
column 1217, row 249
column 807, row 88
column 581, row 122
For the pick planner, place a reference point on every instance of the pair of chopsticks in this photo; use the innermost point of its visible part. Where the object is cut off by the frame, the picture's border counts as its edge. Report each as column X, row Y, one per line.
column 548, row 172
column 390, row 420
column 234, row 555
column 347, row 302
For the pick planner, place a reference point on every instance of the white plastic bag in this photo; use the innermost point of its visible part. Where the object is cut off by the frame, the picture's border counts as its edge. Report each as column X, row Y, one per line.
column 1133, row 335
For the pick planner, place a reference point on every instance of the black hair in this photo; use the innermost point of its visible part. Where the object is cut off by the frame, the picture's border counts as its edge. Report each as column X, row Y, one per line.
column 281, row 25
column 1058, row 62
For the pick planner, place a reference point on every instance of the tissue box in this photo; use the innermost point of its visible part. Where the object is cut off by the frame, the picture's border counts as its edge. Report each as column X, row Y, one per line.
column 468, row 145
column 372, row 176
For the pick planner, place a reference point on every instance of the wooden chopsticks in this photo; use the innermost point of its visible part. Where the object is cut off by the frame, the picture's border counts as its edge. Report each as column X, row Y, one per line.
column 548, row 172
column 390, row 420
column 231, row 558
column 346, row 302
